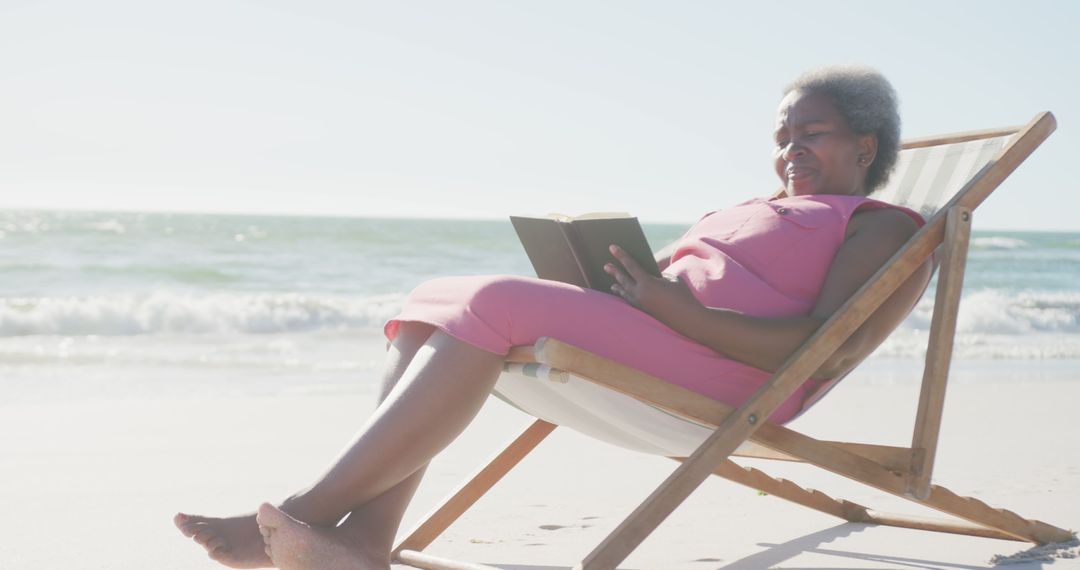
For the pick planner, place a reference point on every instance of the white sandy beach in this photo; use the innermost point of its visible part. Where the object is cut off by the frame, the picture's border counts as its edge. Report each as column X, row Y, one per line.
column 93, row 484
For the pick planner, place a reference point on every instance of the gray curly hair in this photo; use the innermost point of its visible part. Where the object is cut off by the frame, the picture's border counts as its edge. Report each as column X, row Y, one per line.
column 868, row 103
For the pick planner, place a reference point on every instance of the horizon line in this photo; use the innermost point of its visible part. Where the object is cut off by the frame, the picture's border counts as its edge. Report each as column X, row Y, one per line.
column 335, row 215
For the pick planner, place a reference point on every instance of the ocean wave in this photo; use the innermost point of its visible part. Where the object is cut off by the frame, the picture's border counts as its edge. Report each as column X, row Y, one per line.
column 969, row 346
column 992, row 324
column 110, row 226
column 316, row 352
column 190, row 314
column 175, row 272
column 996, row 324
column 998, row 242
column 994, row 311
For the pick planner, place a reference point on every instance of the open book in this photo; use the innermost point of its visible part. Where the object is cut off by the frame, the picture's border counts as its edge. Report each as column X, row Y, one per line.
column 575, row 249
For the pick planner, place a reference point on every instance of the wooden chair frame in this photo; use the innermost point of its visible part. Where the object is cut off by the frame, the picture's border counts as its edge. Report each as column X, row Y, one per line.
column 901, row 471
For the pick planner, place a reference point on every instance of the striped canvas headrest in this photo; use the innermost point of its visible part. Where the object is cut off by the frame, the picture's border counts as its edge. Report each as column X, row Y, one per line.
column 926, row 178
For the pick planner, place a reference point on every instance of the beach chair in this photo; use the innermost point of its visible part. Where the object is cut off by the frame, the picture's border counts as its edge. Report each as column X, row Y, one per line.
column 945, row 178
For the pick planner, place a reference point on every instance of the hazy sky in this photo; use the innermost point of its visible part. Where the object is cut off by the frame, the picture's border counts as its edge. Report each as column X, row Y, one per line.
column 488, row 108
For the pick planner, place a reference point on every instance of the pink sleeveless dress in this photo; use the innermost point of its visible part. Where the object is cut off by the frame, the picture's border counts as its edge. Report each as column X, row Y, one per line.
column 765, row 258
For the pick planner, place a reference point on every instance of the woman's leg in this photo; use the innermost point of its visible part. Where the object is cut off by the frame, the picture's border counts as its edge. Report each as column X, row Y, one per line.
column 364, row 540
column 367, row 489
column 235, row 541
column 445, row 383
column 443, row 387
column 376, row 522
column 367, row 536
column 373, row 526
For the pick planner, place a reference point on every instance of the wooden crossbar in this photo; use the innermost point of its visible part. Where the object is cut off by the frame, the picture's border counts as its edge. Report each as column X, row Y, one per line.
column 960, row 137
column 847, row 510
column 428, row 562
column 895, row 459
column 935, row 525
column 790, row 491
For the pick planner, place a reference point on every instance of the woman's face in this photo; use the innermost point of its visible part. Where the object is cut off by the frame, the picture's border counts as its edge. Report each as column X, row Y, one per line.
column 816, row 151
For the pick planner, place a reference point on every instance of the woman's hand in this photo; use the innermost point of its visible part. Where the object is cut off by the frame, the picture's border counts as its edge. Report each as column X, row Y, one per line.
column 669, row 300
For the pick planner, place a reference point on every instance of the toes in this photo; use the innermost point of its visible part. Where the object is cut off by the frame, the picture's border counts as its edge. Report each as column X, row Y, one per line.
column 215, row 543
column 204, row 535
column 221, row 554
column 188, row 524
column 271, row 517
column 183, row 522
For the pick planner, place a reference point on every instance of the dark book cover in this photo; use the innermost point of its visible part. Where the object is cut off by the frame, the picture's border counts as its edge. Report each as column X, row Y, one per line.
column 575, row 250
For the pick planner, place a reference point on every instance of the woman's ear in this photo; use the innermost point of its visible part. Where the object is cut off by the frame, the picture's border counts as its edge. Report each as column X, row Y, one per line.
column 867, row 145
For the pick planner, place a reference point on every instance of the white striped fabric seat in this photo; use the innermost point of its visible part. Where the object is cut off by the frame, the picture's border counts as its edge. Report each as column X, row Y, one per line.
column 926, row 177
column 568, row 400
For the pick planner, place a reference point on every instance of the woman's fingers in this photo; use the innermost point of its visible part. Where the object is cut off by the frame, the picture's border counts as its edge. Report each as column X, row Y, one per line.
column 620, row 276
column 626, row 295
column 624, row 284
column 628, row 262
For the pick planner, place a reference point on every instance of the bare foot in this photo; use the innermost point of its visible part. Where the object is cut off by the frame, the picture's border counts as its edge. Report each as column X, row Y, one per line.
column 234, row 541
column 294, row 545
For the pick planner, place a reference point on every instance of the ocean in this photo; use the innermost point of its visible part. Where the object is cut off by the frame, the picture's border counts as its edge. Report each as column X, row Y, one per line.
column 118, row 304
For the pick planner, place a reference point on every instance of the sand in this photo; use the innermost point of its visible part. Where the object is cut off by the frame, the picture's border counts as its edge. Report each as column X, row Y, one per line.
column 93, row 484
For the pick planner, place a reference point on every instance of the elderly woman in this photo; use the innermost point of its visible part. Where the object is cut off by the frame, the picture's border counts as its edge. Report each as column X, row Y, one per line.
column 740, row 292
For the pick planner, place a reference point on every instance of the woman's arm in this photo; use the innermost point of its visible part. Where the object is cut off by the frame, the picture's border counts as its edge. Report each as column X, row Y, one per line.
column 873, row 237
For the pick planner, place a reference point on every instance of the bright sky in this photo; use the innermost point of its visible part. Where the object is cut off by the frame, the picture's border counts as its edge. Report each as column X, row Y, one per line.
column 489, row 108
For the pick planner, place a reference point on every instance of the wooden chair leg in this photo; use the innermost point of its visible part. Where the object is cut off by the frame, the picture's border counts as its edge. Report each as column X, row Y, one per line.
column 454, row 506
column 734, row 430
column 939, row 352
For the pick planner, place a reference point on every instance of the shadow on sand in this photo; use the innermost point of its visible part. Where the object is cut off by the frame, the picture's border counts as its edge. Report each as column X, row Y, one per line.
column 775, row 555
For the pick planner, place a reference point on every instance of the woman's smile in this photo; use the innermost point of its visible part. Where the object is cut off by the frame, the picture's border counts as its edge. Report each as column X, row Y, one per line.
column 798, row 173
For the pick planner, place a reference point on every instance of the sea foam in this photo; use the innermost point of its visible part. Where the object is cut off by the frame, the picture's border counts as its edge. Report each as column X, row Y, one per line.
column 994, row 311
column 996, row 324
column 174, row 313
column 998, row 242
column 991, row 324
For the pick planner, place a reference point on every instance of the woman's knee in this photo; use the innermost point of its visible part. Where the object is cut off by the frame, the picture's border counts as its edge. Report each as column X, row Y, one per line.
column 410, row 336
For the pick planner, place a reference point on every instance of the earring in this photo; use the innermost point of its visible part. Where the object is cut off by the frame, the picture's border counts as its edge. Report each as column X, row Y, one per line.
column 862, row 161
